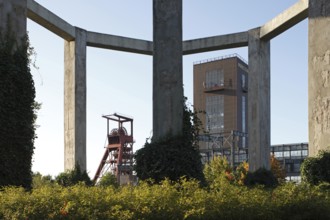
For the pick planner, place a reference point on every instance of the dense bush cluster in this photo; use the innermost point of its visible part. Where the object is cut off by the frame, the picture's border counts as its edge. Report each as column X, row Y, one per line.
column 173, row 156
column 108, row 179
column 167, row 200
column 219, row 172
column 261, row 176
column 73, row 177
column 316, row 170
column 17, row 93
column 169, row 158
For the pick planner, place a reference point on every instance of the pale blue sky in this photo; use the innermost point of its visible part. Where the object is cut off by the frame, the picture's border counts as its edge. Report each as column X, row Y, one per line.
column 122, row 82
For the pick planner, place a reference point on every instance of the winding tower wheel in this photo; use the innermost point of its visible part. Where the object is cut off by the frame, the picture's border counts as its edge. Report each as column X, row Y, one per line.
column 118, row 155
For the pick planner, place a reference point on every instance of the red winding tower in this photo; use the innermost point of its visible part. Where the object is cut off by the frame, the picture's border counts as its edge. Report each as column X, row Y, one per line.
column 118, row 155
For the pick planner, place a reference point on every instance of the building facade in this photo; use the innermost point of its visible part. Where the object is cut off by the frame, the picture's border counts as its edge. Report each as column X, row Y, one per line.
column 220, row 93
column 291, row 157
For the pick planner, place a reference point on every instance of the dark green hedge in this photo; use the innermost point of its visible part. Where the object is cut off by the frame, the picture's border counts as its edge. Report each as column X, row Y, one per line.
column 173, row 156
column 316, row 170
column 17, row 93
column 73, row 177
column 169, row 158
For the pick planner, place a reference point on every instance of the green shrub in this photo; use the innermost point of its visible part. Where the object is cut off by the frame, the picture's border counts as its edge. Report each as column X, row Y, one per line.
column 173, row 156
column 39, row 181
column 301, row 201
column 261, row 176
column 184, row 199
column 108, row 179
column 73, row 177
column 315, row 170
column 219, row 172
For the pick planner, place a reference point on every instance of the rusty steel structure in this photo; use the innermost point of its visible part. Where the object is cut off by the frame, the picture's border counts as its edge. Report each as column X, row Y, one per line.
column 118, row 155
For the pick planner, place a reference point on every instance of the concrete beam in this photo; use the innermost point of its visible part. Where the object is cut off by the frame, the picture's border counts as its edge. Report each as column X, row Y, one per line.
column 13, row 12
column 285, row 20
column 75, row 101
column 208, row 44
column 125, row 44
column 50, row 21
column 319, row 76
column 259, row 101
column 167, row 68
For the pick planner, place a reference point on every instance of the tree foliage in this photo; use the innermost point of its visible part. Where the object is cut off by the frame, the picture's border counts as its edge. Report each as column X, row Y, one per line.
column 219, row 172
column 261, row 176
column 315, row 170
column 108, row 179
column 277, row 169
column 39, row 180
column 17, row 116
column 173, row 156
column 73, row 177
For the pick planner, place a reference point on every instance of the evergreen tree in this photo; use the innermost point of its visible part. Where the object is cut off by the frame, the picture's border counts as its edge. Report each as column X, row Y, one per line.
column 173, row 156
column 17, row 116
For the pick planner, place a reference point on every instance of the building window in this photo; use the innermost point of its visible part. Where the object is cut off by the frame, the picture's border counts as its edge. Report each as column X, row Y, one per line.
column 243, row 120
column 215, row 113
column 243, row 81
column 214, row 78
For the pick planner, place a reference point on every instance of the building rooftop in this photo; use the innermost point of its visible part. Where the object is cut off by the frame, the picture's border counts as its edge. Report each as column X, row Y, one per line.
column 221, row 58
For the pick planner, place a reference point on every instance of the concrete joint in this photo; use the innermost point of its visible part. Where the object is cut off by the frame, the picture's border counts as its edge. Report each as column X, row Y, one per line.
column 107, row 41
column 215, row 43
column 284, row 21
column 50, row 21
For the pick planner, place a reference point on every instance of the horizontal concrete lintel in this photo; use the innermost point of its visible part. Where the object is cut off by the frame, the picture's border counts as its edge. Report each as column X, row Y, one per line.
column 284, row 21
column 50, row 21
column 215, row 43
column 107, row 41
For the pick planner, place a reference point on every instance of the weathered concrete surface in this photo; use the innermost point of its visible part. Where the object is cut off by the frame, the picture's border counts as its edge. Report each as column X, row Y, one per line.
column 50, row 21
column 285, row 20
column 75, row 101
column 259, row 101
column 167, row 68
column 215, row 43
column 107, row 41
column 13, row 12
column 319, row 76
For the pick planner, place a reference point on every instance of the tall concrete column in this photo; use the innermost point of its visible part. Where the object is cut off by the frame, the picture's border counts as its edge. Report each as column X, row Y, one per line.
column 167, row 68
column 13, row 12
column 319, row 76
column 259, row 101
column 75, row 101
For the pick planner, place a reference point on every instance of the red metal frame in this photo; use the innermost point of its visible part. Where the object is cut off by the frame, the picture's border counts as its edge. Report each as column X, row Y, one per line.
column 118, row 155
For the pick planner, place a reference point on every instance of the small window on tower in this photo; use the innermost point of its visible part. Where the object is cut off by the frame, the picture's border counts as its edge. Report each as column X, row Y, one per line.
column 243, row 81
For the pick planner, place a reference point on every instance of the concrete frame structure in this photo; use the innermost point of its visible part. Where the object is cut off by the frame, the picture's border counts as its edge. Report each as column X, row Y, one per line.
column 75, row 101
column 167, row 68
column 259, row 55
column 319, row 75
column 13, row 13
column 259, row 101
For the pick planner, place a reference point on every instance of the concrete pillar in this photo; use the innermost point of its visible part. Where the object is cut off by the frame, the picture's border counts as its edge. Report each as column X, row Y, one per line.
column 167, row 68
column 13, row 12
column 319, row 76
column 259, row 101
column 75, row 101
